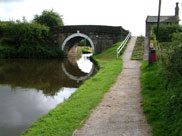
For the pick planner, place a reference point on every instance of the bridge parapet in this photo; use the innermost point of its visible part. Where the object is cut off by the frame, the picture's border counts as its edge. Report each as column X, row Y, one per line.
column 102, row 36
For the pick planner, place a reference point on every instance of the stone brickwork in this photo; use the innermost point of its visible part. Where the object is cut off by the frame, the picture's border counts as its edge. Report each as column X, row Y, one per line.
column 100, row 37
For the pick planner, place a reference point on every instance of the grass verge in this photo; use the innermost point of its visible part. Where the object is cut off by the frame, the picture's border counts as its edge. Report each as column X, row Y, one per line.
column 71, row 114
column 138, row 49
column 161, row 102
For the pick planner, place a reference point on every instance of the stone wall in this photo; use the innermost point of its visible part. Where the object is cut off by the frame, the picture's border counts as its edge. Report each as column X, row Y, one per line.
column 102, row 36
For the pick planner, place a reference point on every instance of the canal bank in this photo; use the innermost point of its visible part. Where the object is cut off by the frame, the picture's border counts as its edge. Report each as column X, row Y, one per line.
column 120, row 112
column 71, row 114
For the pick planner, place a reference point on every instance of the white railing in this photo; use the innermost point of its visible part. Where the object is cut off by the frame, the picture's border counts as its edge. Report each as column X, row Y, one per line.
column 119, row 49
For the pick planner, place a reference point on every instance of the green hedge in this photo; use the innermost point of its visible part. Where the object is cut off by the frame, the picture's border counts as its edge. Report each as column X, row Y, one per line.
column 166, row 31
column 172, row 66
column 161, row 87
column 26, row 51
column 25, row 33
column 173, row 59
column 26, row 40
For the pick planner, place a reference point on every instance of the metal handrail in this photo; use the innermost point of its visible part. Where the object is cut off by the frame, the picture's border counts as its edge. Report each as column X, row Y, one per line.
column 119, row 49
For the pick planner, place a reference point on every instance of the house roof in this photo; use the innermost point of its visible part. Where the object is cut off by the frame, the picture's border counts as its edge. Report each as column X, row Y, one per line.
column 164, row 19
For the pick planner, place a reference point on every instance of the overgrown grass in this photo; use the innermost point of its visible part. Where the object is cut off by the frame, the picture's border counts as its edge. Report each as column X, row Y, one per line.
column 162, row 101
column 153, row 98
column 71, row 114
column 138, row 49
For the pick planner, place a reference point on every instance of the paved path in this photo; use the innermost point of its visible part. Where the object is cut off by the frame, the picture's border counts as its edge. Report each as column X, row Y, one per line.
column 146, row 49
column 120, row 112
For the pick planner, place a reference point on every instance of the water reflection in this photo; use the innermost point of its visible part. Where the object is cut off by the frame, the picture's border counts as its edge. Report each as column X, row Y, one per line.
column 31, row 88
column 45, row 75
column 19, row 109
column 81, row 70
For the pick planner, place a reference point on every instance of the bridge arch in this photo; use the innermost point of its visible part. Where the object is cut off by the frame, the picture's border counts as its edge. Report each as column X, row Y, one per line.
column 78, row 34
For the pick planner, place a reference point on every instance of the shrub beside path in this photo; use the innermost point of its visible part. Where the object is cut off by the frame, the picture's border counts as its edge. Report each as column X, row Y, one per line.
column 120, row 112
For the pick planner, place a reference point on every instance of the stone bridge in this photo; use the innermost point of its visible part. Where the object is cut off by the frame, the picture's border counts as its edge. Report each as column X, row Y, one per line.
column 99, row 37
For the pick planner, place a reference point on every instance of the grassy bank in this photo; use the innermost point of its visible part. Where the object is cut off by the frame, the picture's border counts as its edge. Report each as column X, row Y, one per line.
column 71, row 114
column 138, row 49
column 162, row 101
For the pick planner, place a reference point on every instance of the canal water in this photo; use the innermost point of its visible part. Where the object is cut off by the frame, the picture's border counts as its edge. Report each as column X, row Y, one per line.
column 30, row 88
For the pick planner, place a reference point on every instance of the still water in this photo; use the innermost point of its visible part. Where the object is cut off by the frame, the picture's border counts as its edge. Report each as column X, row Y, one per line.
column 30, row 88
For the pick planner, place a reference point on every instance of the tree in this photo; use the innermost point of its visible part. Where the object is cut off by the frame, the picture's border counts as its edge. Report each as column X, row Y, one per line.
column 49, row 18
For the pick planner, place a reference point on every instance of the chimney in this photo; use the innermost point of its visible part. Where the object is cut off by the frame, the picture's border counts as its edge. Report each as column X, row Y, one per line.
column 177, row 9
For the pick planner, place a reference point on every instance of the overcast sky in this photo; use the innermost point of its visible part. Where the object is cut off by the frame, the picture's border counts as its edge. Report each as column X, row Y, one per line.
column 130, row 14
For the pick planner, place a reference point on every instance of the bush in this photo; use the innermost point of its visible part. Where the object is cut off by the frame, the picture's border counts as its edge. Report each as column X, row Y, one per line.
column 30, row 40
column 1, row 30
column 27, row 40
column 39, row 52
column 166, row 31
column 163, row 101
column 25, row 34
column 7, row 51
column 26, row 51
column 173, row 73
column 2, row 26
column 173, row 60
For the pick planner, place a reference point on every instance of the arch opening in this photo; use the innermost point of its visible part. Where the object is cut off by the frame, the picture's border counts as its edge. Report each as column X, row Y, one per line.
column 74, row 40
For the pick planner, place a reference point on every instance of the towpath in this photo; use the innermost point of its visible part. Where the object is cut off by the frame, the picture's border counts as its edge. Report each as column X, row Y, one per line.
column 120, row 112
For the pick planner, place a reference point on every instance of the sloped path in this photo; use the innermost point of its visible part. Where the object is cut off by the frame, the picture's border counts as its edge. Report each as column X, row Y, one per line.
column 120, row 112
column 146, row 49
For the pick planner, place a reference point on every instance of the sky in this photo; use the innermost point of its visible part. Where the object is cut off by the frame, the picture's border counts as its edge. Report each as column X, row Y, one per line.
column 130, row 14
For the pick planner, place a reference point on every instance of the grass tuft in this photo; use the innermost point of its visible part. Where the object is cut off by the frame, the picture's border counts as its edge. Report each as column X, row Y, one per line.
column 138, row 49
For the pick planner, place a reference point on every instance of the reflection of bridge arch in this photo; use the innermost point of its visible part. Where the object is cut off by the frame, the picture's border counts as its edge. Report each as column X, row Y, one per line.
column 78, row 34
column 78, row 78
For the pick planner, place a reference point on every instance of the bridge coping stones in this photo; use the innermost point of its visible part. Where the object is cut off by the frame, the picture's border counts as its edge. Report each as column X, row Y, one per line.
column 101, row 36
column 89, row 28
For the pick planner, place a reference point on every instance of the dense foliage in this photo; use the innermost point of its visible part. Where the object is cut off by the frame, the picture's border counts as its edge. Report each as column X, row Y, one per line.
column 28, row 40
column 173, row 61
column 25, row 34
column 49, row 18
column 161, row 88
column 166, row 31
column 34, row 51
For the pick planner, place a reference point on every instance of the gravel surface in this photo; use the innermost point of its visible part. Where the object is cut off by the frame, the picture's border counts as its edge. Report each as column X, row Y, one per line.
column 120, row 112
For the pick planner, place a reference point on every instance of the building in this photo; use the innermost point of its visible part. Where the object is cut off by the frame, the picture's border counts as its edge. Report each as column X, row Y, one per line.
column 152, row 20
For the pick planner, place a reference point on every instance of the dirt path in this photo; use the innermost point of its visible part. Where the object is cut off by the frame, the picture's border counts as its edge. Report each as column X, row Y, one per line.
column 120, row 112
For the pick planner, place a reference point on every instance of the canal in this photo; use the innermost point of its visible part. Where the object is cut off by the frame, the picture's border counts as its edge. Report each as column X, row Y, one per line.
column 30, row 88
